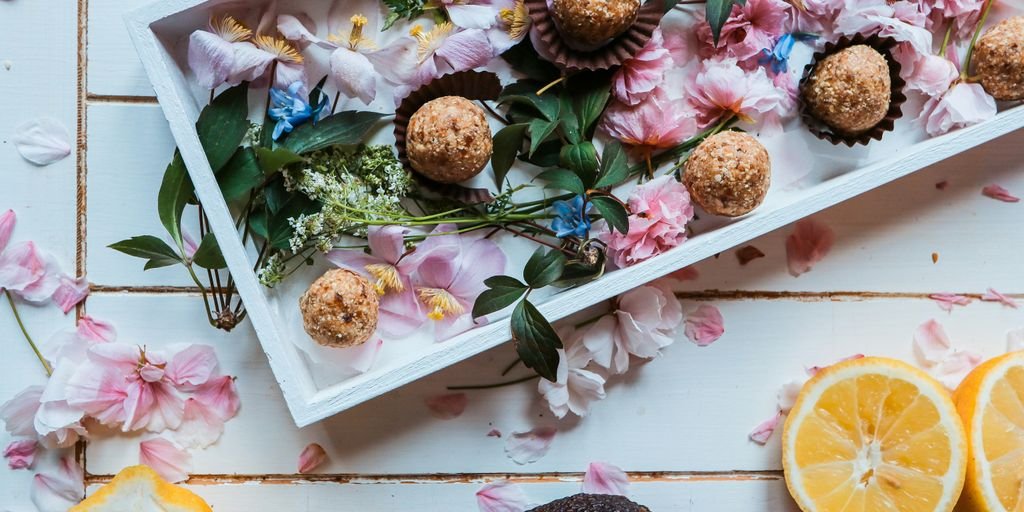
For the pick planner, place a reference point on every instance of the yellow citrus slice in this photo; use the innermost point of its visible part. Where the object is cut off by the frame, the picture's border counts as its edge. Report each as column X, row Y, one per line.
column 140, row 488
column 874, row 435
column 991, row 402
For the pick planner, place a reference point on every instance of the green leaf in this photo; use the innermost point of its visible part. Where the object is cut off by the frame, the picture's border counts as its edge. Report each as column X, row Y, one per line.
column 717, row 13
column 175, row 191
column 581, row 159
column 407, row 9
column 524, row 59
column 544, row 267
column 240, row 175
column 275, row 194
column 540, row 130
column 536, row 341
column 223, row 124
column 613, row 212
column 150, row 248
column 578, row 272
column 589, row 104
column 507, row 143
column 614, row 166
column 563, row 179
column 340, row 128
column 524, row 93
column 272, row 160
column 570, row 121
column 314, row 95
column 208, row 254
column 504, row 291
column 547, row 155
column 279, row 228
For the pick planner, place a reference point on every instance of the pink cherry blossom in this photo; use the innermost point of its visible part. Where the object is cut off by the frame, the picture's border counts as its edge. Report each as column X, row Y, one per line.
column 764, row 430
column 946, row 301
column 655, row 124
column 42, row 141
column 312, row 457
column 21, row 454
column 60, row 488
column 999, row 193
column 220, row 396
column 200, row 426
column 445, row 49
column 643, row 323
column 602, row 478
column 809, row 243
column 502, row 496
column 887, row 20
column 169, row 461
column 752, row 27
column 705, row 325
column 935, row 352
column 18, row 413
column 638, row 77
column 963, row 14
column 722, row 90
column 58, row 423
column 70, row 291
column 930, row 74
column 529, row 447
column 993, row 296
column 73, row 344
column 448, row 406
column 575, row 387
column 659, row 212
column 962, row 105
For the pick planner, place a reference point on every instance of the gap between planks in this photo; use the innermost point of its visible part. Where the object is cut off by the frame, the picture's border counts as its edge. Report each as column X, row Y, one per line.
column 109, row 98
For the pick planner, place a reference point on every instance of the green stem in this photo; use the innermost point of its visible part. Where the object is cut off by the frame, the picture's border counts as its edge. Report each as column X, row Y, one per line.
column 974, row 40
column 24, row 331
column 945, row 40
column 494, row 386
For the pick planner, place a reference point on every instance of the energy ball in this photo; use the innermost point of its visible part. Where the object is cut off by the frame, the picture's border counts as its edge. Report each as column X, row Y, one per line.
column 850, row 90
column 590, row 24
column 999, row 60
column 728, row 174
column 592, row 503
column 340, row 309
column 449, row 140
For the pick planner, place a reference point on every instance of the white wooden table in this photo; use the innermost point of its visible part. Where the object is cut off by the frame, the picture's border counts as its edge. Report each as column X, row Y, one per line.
column 678, row 426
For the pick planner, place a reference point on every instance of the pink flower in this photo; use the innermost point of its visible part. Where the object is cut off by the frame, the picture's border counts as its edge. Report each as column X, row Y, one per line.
column 722, row 90
column 962, row 13
column 705, row 325
column 169, row 461
column 529, row 447
column 470, row 13
column 444, row 49
column 963, row 105
column 220, row 396
column 660, row 210
column 638, row 77
column 502, row 496
column 935, row 352
column 60, row 488
column 41, row 413
column 643, row 324
column 993, row 296
column 19, row 412
column 809, row 243
column 575, row 388
column 70, row 291
column 764, row 430
column 513, row 25
column 882, row 18
column 448, row 406
column 21, row 454
column 752, row 27
column 73, row 344
column 602, row 478
column 32, row 274
column 312, row 457
column 654, row 124
column 200, row 426
column 930, row 74
column 999, row 193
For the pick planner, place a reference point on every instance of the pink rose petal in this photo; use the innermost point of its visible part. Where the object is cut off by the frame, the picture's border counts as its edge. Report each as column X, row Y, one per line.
column 931, row 343
column 502, row 496
column 993, row 296
column 70, row 292
column 763, row 431
column 999, row 194
column 193, row 366
column 809, row 243
column 494, row 433
column 447, row 407
column 60, row 488
column 529, row 447
column 42, row 141
column 220, row 395
column 312, row 457
column 200, row 426
column 21, row 454
column 946, row 301
column 169, row 461
column 705, row 325
column 602, row 478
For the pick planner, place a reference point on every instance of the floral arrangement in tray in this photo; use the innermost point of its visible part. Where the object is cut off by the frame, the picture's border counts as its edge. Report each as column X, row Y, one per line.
column 591, row 131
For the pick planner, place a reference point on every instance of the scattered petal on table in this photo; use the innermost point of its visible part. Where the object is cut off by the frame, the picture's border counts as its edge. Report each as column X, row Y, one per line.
column 1015, row 340
column 809, row 243
column 70, row 292
column 931, row 345
column 705, row 325
column 956, row 366
column 60, row 488
column 999, row 194
column 748, row 254
column 194, row 366
column 21, row 454
column 169, row 461
column 765, row 429
column 529, row 447
column 788, row 392
column 365, row 355
column 447, row 407
column 311, row 458
column 942, row 185
column 42, row 141
column 200, row 427
column 946, row 301
column 602, row 478
column 494, row 433
column 993, row 296
column 220, row 395
column 502, row 496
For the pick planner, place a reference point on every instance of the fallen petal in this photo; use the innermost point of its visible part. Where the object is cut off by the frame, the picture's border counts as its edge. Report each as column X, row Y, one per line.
column 21, row 454
column 502, row 496
column 946, row 301
column 931, row 345
column 748, row 254
column 765, row 429
column 705, row 325
column 311, row 458
column 447, row 407
column 529, row 447
column 42, row 141
column 194, row 366
column 7, row 222
column 59, row 489
column 169, row 461
column 602, row 478
column 809, row 243
column 70, row 292
column 200, row 426
column 494, row 433
column 999, row 194
column 993, row 296
column 788, row 393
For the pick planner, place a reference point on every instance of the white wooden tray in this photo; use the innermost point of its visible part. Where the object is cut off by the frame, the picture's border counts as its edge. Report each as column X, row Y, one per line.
column 810, row 175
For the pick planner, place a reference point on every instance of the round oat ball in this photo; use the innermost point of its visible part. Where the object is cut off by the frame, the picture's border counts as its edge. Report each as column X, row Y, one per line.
column 340, row 309
column 728, row 174
column 449, row 140
column 590, row 24
column 850, row 90
column 999, row 60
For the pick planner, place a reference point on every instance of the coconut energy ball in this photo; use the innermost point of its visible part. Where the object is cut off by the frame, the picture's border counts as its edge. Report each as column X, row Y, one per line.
column 729, row 174
column 589, row 24
column 592, row 503
column 850, row 90
column 340, row 309
column 999, row 60
column 449, row 140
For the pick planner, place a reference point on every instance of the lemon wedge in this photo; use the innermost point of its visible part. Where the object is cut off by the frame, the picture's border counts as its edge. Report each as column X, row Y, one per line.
column 139, row 488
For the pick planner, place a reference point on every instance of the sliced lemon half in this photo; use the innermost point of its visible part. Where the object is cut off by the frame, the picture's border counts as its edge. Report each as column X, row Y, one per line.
column 139, row 488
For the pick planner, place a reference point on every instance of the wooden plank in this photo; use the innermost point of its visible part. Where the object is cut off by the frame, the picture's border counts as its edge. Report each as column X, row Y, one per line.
column 690, row 410
column 114, row 68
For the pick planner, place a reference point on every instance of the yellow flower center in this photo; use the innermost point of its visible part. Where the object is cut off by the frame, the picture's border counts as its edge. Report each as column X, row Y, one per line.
column 387, row 278
column 430, row 41
column 230, row 30
column 355, row 39
column 517, row 19
column 280, row 48
column 441, row 303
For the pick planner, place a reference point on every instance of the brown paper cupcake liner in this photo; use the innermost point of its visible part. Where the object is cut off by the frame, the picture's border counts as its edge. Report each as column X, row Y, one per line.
column 884, row 45
column 626, row 46
column 472, row 85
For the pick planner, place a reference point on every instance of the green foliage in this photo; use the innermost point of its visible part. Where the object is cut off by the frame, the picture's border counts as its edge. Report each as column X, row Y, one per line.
column 717, row 13
column 536, row 341
column 614, row 166
column 524, row 59
column 223, row 124
column 544, row 267
column 272, row 160
column 208, row 254
column 154, row 250
column 343, row 128
column 175, row 191
column 612, row 211
column 507, row 144
column 241, row 174
column 563, row 179
column 402, row 9
column 502, row 292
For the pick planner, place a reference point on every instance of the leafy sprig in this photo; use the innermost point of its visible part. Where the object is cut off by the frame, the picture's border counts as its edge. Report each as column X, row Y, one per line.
column 717, row 13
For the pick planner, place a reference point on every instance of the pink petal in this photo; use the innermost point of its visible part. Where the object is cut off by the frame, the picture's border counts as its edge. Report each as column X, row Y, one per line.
column 993, row 296
column 602, row 478
column 21, row 454
column 809, row 243
column 7, row 222
column 21, row 266
column 1000, row 194
column 96, row 330
column 200, row 426
column 42, row 141
column 465, row 50
column 293, row 29
column 788, row 393
column 59, row 489
column 220, row 395
column 946, row 301
column 363, row 357
column 354, row 75
column 763, row 431
column 494, row 433
column 529, row 447
column 955, row 367
column 19, row 412
column 705, row 325
column 169, row 461
column 931, row 343
column 70, row 292
column 472, row 16
column 502, row 496
column 311, row 458
column 193, row 366
column 210, row 58
column 388, row 243
column 447, row 407
column 190, row 244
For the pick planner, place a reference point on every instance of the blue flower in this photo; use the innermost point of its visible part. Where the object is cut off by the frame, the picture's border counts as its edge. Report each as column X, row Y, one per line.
column 290, row 110
column 778, row 57
column 573, row 217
